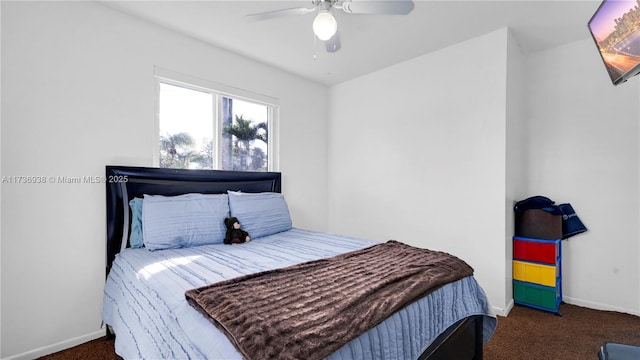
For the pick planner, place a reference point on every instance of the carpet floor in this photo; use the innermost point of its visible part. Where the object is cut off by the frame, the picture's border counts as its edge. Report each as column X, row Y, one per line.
column 576, row 335
column 526, row 334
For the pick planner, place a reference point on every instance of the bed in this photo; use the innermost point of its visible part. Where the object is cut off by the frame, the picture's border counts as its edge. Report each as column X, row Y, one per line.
column 146, row 302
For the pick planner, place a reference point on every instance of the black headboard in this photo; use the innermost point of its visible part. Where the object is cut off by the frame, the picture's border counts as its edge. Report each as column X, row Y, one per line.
column 125, row 183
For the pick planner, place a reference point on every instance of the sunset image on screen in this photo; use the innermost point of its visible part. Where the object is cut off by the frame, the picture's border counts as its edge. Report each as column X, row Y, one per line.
column 615, row 28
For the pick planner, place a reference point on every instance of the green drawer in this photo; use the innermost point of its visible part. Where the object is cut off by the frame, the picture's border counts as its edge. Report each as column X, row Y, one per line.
column 532, row 294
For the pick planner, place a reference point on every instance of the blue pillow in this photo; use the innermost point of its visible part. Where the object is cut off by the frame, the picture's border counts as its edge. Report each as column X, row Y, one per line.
column 260, row 214
column 171, row 222
column 135, row 238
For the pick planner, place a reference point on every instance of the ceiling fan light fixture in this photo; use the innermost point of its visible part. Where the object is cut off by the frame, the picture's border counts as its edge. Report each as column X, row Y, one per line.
column 324, row 25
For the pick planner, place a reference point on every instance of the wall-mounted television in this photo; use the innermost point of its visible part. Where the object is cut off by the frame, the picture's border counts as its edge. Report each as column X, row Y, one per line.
column 615, row 28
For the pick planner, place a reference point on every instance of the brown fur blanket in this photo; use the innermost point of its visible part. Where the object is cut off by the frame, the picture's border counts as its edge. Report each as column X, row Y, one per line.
column 308, row 311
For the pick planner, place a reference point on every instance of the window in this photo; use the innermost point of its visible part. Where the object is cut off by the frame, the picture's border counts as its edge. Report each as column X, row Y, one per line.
column 203, row 128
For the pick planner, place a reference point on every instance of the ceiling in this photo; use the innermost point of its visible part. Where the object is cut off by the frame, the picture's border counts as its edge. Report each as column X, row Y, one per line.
column 369, row 42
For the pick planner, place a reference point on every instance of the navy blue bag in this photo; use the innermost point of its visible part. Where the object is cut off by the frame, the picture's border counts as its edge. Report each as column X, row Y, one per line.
column 571, row 223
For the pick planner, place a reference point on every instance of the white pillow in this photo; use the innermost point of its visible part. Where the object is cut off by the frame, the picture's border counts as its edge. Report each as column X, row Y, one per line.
column 170, row 222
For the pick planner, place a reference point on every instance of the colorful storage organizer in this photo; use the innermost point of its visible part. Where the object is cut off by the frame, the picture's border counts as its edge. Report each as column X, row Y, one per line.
column 537, row 273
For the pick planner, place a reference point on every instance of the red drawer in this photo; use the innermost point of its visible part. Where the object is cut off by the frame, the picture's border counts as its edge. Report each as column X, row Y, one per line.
column 535, row 250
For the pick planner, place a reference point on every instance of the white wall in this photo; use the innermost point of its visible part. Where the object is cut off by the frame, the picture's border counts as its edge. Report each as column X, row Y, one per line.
column 417, row 154
column 0, row 186
column 436, row 150
column 78, row 94
column 516, row 153
column 583, row 135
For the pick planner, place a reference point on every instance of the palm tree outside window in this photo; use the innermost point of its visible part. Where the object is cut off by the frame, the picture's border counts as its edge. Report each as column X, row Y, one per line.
column 202, row 129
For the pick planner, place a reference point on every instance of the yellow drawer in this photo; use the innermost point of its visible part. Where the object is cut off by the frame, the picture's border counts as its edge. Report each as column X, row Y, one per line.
column 534, row 273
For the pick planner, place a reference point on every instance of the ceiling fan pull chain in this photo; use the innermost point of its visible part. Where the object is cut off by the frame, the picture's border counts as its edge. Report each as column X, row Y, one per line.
column 315, row 57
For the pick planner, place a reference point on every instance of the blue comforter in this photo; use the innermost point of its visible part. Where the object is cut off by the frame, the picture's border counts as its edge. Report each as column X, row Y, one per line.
column 144, row 300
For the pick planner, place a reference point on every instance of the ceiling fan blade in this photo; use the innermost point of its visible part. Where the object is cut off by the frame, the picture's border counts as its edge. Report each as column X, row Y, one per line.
column 333, row 44
column 279, row 13
column 388, row 7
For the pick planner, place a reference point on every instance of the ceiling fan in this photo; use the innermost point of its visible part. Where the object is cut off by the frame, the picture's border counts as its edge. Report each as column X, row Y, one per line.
column 325, row 26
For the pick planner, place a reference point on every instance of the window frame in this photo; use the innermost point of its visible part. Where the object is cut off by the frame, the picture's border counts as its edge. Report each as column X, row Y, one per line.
column 218, row 91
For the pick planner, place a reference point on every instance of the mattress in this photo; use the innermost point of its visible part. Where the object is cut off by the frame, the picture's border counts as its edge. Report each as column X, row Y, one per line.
column 144, row 299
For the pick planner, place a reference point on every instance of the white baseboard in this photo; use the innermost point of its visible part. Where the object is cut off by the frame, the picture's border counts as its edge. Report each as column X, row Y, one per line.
column 500, row 311
column 598, row 306
column 50, row 349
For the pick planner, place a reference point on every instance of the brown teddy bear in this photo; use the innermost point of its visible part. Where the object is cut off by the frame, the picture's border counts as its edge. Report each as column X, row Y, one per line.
column 235, row 235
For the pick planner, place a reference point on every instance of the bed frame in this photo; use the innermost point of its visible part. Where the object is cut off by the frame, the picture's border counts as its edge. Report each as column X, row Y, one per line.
column 463, row 340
